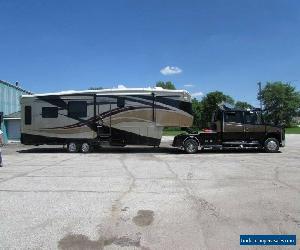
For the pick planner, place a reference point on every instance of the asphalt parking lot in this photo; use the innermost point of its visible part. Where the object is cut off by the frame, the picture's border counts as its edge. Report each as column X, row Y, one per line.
column 145, row 198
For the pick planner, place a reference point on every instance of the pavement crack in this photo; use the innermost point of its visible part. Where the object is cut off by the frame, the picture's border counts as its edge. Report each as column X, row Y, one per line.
column 57, row 191
column 32, row 171
column 205, row 210
column 22, row 174
column 201, row 203
column 117, row 204
column 277, row 178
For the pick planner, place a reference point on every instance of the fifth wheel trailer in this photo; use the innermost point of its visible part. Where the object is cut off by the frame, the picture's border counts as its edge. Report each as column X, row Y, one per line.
column 113, row 117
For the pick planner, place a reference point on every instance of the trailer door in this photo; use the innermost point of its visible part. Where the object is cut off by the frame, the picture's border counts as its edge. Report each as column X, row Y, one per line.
column 104, row 109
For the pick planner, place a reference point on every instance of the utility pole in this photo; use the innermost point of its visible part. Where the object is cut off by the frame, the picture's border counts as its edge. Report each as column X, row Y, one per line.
column 259, row 94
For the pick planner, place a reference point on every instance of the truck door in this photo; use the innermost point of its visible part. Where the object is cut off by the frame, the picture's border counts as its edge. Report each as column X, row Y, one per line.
column 254, row 128
column 233, row 127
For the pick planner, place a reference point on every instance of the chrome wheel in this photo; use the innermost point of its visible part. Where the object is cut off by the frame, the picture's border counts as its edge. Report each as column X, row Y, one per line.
column 271, row 145
column 191, row 146
column 72, row 147
column 85, row 147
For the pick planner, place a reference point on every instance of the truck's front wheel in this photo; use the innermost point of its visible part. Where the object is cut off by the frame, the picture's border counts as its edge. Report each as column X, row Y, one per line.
column 191, row 146
column 271, row 145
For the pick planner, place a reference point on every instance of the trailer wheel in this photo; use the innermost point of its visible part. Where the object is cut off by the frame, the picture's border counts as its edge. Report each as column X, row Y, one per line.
column 191, row 146
column 85, row 147
column 72, row 147
column 271, row 145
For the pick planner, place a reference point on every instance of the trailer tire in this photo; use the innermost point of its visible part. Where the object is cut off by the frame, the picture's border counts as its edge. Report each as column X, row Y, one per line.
column 85, row 148
column 191, row 146
column 271, row 145
column 72, row 147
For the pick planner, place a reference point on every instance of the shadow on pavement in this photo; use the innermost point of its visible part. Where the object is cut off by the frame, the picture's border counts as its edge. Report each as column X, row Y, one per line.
column 138, row 150
column 130, row 150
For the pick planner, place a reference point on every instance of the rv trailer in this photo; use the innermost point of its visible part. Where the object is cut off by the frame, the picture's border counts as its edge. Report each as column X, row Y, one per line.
column 109, row 117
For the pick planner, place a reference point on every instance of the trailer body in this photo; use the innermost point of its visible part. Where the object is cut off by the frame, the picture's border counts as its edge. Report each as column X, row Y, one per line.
column 111, row 117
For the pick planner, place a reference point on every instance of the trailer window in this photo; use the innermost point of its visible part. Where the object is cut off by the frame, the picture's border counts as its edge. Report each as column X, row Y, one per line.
column 27, row 115
column 235, row 117
column 1, row 118
column 121, row 102
column 77, row 109
column 49, row 112
column 186, row 106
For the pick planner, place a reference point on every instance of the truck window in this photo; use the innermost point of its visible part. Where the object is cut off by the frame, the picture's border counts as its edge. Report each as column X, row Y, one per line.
column 77, row 109
column 259, row 118
column 216, row 116
column 235, row 117
column 252, row 118
column 49, row 112
column 27, row 115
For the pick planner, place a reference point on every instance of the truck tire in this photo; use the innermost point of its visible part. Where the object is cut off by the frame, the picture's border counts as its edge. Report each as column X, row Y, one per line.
column 191, row 146
column 72, row 147
column 271, row 145
column 85, row 148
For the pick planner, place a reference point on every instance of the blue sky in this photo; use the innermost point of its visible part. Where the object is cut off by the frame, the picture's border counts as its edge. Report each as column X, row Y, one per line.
column 210, row 45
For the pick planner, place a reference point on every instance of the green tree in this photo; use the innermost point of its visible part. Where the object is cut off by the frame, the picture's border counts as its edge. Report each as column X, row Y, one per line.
column 210, row 104
column 197, row 111
column 281, row 102
column 243, row 105
column 165, row 85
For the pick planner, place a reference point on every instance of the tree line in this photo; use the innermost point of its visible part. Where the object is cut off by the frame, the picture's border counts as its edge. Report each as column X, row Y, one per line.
column 281, row 102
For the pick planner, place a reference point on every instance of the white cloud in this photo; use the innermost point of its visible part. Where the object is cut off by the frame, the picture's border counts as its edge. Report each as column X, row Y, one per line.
column 188, row 85
column 170, row 70
column 197, row 94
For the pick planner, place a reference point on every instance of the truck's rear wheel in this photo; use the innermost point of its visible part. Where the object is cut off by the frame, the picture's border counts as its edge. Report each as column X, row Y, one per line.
column 191, row 146
column 85, row 147
column 72, row 147
column 271, row 145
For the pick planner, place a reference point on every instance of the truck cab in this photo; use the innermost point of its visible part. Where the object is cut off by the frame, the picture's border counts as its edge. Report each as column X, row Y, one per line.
column 234, row 129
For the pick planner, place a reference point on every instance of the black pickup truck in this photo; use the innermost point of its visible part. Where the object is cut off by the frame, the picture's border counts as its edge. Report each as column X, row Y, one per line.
column 234, row 129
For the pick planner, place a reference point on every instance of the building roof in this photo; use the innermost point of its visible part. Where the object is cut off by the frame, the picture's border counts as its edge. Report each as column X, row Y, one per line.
column 16, row 87
column 15, row 115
